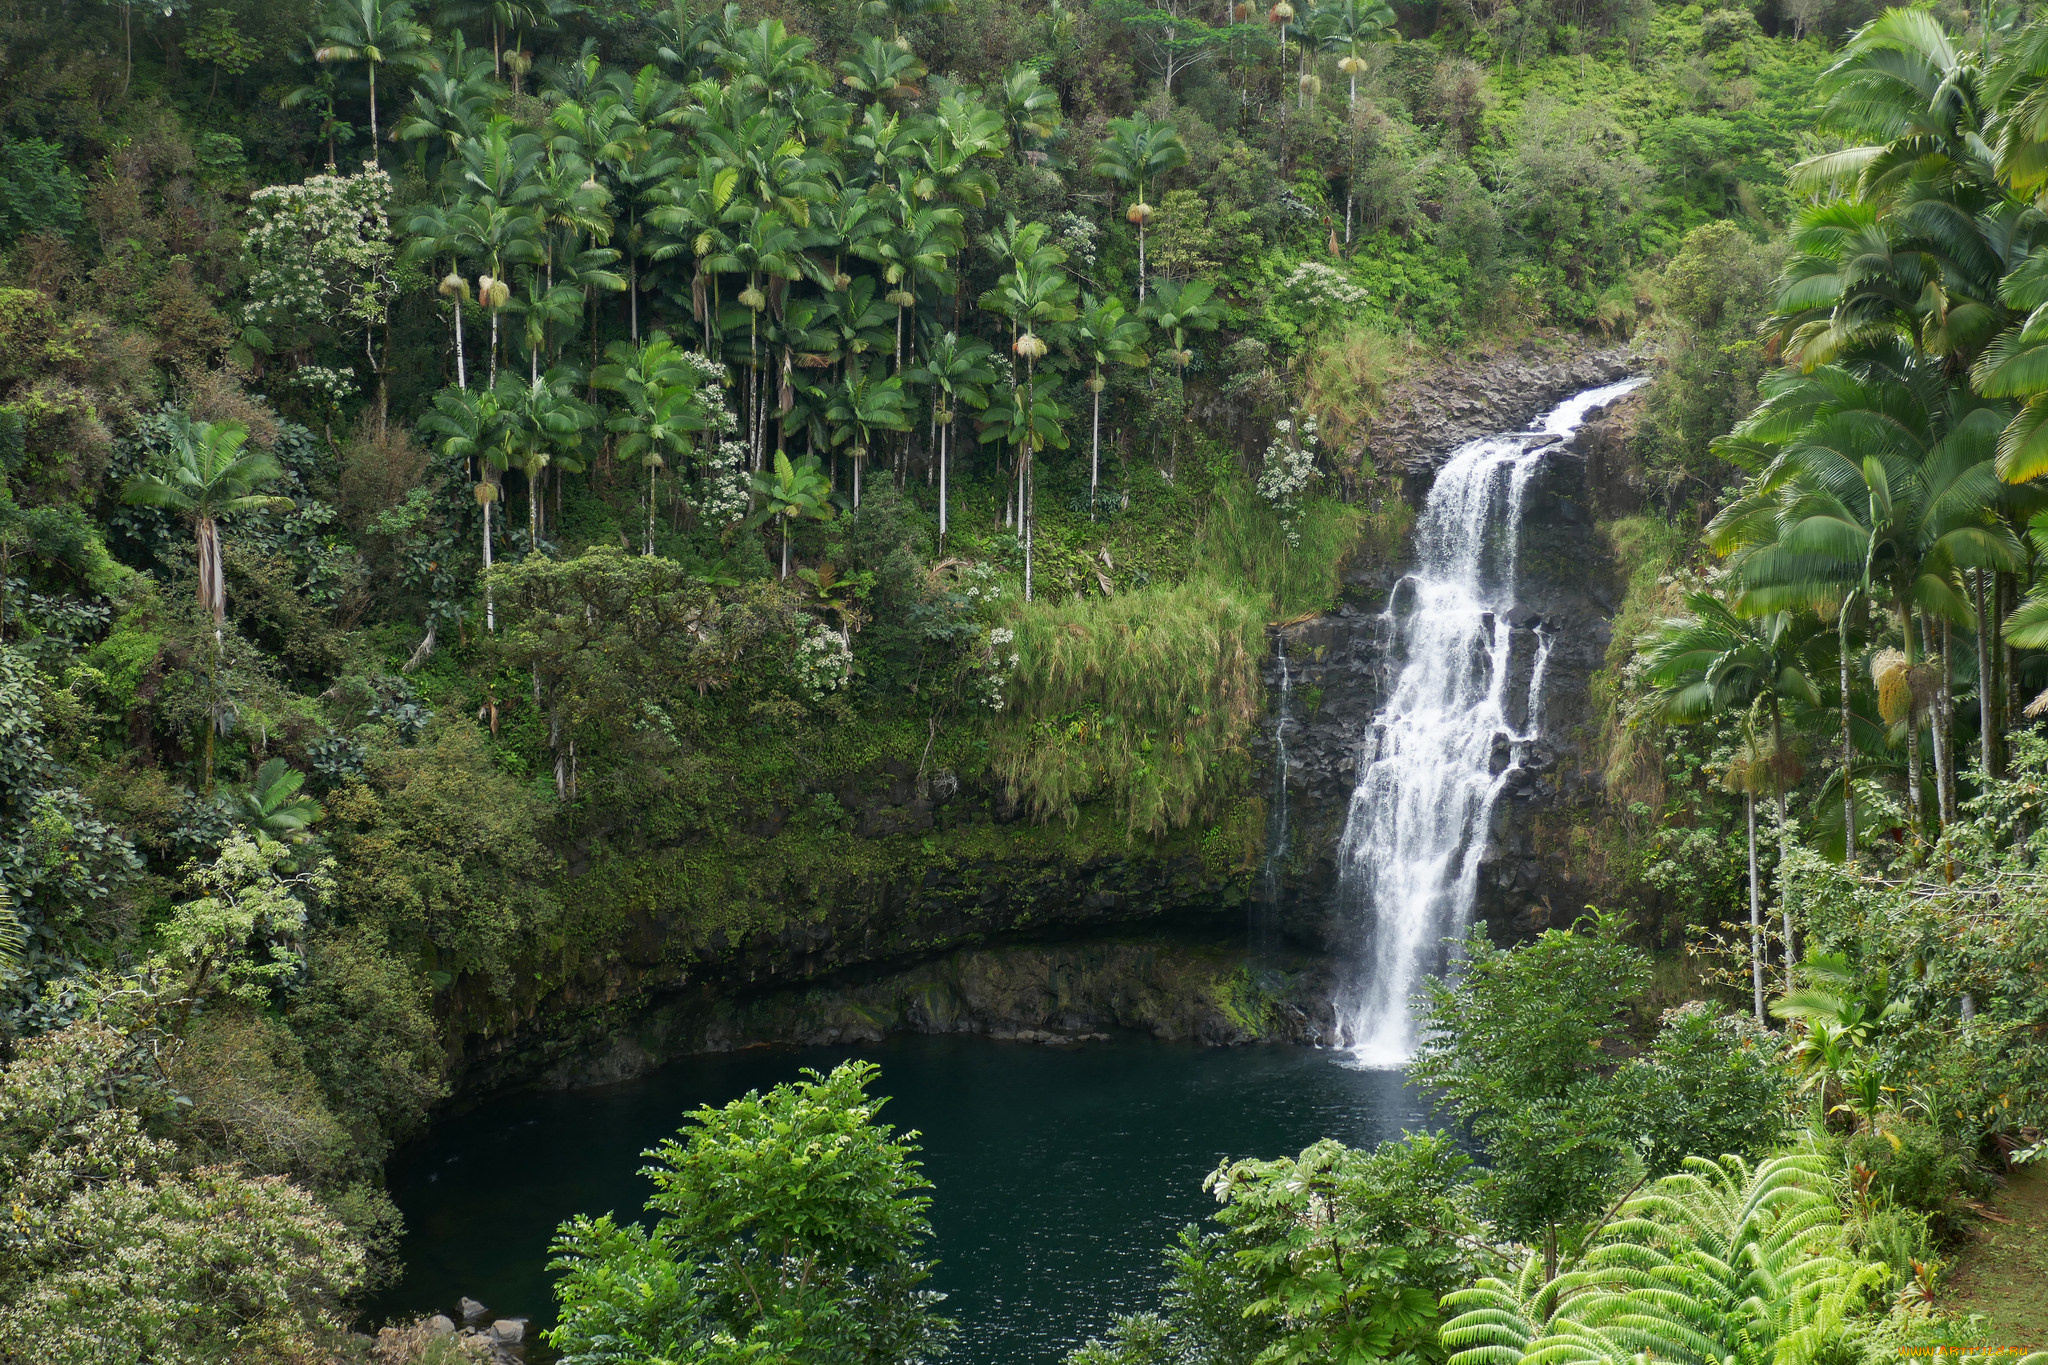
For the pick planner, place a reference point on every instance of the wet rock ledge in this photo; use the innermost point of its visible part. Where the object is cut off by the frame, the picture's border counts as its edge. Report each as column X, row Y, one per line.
column 1204, row 991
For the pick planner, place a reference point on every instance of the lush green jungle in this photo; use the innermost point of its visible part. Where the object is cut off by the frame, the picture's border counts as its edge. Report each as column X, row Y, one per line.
column 474, row 471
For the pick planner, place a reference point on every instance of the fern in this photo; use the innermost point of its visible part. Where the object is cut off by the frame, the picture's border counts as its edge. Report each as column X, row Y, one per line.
column 1722, row 1262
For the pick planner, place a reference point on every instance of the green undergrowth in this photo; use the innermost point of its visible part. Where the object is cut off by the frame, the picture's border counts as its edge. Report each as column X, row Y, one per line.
column 1294, row 570
column 1145, row 700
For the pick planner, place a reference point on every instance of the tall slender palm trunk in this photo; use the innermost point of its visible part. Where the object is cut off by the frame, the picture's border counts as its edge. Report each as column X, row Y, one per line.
column 945, row 430
column 1914, row 796
column 1756, row 915
column 490, row 606
column 649, row 547
column 1848, row 744
column 1987, row 726
column 1948, row 722
column 1095, row 447
column 461, row 368
column 1784, row 837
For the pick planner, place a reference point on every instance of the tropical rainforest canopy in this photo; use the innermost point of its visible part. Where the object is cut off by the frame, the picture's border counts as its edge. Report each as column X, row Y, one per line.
column 488, row 483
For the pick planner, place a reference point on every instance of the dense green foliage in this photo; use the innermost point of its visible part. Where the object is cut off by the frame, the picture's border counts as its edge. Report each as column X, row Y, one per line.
column 485, row 487
column 788, row 1227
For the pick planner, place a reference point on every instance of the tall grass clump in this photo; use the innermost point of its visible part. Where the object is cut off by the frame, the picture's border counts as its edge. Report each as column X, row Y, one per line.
column 1245, row 547
column 1347, row 376
column 1146, row 699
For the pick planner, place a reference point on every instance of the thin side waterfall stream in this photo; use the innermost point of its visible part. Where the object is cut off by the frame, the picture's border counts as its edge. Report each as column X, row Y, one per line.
column 1440, row 750
column 1264, row 911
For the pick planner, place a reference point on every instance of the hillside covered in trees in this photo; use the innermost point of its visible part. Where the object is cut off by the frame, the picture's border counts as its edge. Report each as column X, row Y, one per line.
column 514, row 506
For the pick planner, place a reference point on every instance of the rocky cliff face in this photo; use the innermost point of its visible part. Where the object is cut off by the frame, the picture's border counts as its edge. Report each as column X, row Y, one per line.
column 1428, row 415
column 1338, row 671
column 952, row 913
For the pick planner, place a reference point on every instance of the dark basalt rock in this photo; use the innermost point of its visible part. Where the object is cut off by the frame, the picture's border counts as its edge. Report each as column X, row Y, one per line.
column 1569, row 588
column 1417, row 428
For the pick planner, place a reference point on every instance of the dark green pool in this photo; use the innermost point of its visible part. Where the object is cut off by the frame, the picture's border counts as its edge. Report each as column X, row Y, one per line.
column 1061, row 1173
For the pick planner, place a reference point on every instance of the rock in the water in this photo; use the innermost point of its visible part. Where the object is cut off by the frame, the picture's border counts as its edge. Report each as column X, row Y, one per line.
column 508, row 1331
column 471, row 1309
column 441, row 1325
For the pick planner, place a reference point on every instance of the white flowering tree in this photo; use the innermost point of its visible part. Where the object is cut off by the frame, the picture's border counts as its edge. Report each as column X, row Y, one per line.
column 321, row 265
column 1289, row 468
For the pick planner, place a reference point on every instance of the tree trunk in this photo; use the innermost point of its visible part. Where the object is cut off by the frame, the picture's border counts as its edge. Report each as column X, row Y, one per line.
column 1848, row 747
column 212, row 587
column 1936, row 729
column 649, row 549
column 1756, row 915
column 1913, row 792
column 490, row 608
column 461, row 370
column 1987, row 723
column 944, row 432
column 376, row 153
column 1095, row 448
column 1784, row 837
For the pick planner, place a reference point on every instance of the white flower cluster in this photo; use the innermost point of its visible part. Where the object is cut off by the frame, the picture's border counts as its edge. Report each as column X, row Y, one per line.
column 320, row 253
column 324, row 382
column 1000, row 662
column 1289, row 469
column 725, row 498
column 824, row 659
column 712, row 374
column 1320, row 287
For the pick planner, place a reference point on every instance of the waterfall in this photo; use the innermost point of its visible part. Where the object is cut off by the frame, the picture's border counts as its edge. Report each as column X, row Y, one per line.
column 1444, row 742
column 1265, row 908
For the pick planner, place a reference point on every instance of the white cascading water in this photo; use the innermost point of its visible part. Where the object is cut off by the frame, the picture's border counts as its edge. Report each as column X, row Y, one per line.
column 1432, row 765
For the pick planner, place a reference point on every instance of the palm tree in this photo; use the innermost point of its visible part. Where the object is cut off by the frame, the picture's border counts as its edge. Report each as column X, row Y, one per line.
column 452, row 100
column 321, row 91
column 882, row 71
column 473, row 428
column 1031, row 109
column 664, row 409
column 547, row 429
column 375, row 33
column 1880, row 480
column 918, row 251
column 1177, row 309
column 863, row 404
column 1104, row 334
column 1036, row 296
column 796, row 490
column 957, row 372
column 769, row 64
column 1348, row 26
column 1137, row 153
column 206, row 478
column 1029, row 422
column 956, row 139
column 1715, row 663
column 273, row 807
